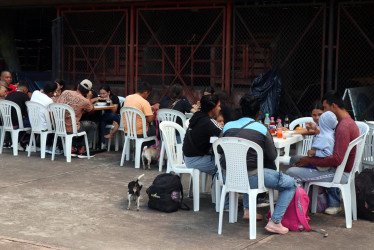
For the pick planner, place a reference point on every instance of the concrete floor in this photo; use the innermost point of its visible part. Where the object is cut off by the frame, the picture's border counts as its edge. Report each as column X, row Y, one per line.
column 82, row 205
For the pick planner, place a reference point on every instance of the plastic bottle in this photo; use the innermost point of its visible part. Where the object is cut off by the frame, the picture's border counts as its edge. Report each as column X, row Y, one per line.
column 272, row 125
column 267, row 120
column 286, row 122
column 279, row 129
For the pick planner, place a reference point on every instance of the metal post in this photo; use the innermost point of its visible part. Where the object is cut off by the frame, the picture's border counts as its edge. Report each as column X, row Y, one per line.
column 131, row 82
column 228, row 49
column 330, row 47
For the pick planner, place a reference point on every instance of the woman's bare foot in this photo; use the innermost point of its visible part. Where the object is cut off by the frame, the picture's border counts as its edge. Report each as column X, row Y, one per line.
column 277, row 228
column 109, row 136
column 246, row 215
column 114, row 130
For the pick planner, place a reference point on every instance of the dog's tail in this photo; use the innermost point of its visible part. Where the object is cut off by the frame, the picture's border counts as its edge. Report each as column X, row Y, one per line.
column 140, row 176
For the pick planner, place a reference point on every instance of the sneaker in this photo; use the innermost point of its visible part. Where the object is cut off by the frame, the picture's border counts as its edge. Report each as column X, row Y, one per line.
column 48, row 150
column 103, row 146
column 333, row 210
column 83, row 155
column 7, row 145
column 74, row 152
column 263, row 202
column 58, row 151
column 277, row 228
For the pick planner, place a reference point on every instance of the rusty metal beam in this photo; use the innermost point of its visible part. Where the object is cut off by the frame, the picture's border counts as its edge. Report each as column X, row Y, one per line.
column 227, row 31
column 301, row 38
column 106, row 45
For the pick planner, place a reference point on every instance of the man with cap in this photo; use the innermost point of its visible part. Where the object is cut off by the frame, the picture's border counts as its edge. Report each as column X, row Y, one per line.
column 4, row 88
column 80, row 101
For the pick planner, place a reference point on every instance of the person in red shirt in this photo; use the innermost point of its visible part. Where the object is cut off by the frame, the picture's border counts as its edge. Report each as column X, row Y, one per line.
column 6, row 76
column 345, row 132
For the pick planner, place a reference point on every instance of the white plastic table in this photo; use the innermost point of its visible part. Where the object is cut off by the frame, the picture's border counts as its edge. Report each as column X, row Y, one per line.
column 281, row 143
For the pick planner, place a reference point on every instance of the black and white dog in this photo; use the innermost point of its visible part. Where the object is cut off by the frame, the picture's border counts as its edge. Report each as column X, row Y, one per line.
column 134, row 192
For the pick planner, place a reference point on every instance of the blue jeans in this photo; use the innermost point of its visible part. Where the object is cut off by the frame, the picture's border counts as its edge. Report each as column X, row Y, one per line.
column 203, row 163
column 107, row 118
column 302, row 174
column 278, row 181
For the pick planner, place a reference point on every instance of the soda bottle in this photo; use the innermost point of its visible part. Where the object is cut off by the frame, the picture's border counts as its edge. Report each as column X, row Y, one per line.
column 267, row 120
column 286, row 122
column 272, row 125
column 279, row 129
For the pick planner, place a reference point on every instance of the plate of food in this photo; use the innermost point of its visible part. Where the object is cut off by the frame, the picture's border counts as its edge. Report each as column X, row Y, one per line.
column 100, row 104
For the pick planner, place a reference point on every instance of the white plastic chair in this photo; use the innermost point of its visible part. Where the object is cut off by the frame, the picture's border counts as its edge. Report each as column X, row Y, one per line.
column 348, row 189
column 6, row 114
column 130, row 115
column 120, row 131
column 175, row 156
column 307, row 142
column 368, row 156
column 59, row 112
column 235, row 151
column 35, row 111
column 168, row 115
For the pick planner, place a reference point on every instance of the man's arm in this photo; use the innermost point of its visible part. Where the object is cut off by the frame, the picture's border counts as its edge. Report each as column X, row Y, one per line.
column 270, row 152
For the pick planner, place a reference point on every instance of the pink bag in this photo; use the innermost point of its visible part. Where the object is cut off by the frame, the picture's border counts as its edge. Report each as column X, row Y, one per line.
column 296, row 218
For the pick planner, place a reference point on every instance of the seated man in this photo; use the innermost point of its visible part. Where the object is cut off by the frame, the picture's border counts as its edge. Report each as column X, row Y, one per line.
column 248, row 128
column 138, row 100
column 44, row 97
column 4, row 89
column 345, row 132
column 6, row 76
column 80, row 101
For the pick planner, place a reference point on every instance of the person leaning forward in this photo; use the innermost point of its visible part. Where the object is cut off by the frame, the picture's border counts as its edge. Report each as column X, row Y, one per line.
column 138, row 101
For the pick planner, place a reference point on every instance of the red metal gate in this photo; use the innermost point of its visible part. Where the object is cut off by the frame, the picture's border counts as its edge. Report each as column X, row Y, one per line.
column 95, row 44
column 291, row 37
column 181, row 44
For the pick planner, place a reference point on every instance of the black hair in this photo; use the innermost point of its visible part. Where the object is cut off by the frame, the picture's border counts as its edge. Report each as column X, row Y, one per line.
column 176, row 91
column 317, row 104
column 5, row 71
column 106, row 88
column 62, row 83
column 250, row 106
column 143, row 87
column 23, row 84
column 50, row 87
column 82, row 89
column 331, row 97
column 208, row 102
column 209, row 89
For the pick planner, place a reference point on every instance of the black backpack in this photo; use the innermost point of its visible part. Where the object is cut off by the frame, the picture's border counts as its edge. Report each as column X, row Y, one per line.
column 365, row 194
column 166, row 193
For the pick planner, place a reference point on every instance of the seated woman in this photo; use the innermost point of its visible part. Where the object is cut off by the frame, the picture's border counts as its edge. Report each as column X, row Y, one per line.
column 110, row 116
column 202, row 126
column 176, row 100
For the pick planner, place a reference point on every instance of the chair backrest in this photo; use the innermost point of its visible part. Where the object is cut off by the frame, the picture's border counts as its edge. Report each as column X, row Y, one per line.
column 121, row 100
column 6, row 114
column 173, row 148
column 368, row 156
column 37, row 114
column 359, row 143
column 171, row 115
column 300, row 121
column 235, row 151
column 59, row 111
column 308, row 139
column 130, row 114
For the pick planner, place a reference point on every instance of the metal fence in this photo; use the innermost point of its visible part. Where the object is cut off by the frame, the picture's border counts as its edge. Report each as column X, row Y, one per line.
column 95, row 45
column 355, row 46
column 184, row 45
column 288, row 36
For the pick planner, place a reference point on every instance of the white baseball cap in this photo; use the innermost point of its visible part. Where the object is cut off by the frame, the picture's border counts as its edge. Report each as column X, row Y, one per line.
column 87, row 84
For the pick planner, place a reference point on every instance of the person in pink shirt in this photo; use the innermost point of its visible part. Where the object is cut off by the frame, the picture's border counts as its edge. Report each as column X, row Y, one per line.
column 345, row 132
